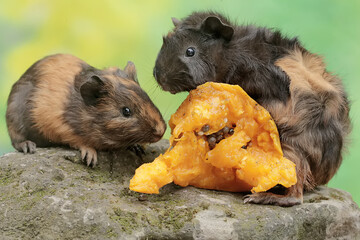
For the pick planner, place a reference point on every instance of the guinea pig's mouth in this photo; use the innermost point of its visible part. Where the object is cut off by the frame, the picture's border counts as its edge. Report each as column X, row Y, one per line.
column 177, row 89
column 156, row 138
column 166, row 88
column 173, row 91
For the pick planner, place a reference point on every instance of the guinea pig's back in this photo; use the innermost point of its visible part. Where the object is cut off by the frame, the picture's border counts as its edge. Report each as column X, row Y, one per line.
column 54, row 83
column 44, row 92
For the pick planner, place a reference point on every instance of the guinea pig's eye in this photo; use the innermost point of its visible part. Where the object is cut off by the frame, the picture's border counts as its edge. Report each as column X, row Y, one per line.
column 190, row 52
column 126, row 111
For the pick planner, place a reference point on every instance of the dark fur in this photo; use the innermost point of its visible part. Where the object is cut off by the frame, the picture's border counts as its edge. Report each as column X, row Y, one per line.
column 313, row 122
column 61, row 100
column 19, row 122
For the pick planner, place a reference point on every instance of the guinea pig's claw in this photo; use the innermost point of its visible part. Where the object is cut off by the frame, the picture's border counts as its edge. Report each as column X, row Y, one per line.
column 138, row 150
column 26, row 146
column 90, row 155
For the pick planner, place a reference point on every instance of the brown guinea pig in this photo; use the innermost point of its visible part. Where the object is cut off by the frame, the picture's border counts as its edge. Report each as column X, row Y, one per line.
column 61, row 100
column 308, row 104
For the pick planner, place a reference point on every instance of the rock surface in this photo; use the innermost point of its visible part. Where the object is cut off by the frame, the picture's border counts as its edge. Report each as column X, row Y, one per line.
column 52, row 195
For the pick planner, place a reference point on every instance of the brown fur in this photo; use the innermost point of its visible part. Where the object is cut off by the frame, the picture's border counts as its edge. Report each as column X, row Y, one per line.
column 309, row 77
column 61, row 100
column 308, row 74
column 56, row 76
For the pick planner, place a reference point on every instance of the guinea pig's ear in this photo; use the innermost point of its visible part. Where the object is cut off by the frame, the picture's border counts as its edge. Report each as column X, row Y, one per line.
column 130, row 70
column 175, row 21
column 213, row 25
column 91, row 90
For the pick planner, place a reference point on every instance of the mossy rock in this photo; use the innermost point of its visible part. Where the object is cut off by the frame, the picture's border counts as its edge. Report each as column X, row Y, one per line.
column 52, row 195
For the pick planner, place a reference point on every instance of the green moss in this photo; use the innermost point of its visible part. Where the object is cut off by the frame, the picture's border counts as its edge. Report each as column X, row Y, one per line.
column 185, row 216
column 58, row 178
column 103, row 196
column 73, row 158
column 337, row 196
column 318, row 199
column 229, row 213
column 93, row 229
column 8, row 175
column 28, row 205
column 5, row 178
column 110, row 233
column 99, row 176
column 82, row 198
column 128, row 221
column 312, row 228
column 30, row 200
column 126, row 192
column 204, row 205
column 153, row 198
column 171, row 218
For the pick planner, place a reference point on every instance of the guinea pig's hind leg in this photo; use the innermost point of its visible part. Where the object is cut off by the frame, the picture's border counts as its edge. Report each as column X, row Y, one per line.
column 88, row 154
column 25, row 146
column 294, row 194
column 287, row 200
column 18, row 134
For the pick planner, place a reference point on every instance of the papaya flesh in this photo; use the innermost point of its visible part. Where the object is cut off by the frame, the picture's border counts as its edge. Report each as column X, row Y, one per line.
column 220, row 139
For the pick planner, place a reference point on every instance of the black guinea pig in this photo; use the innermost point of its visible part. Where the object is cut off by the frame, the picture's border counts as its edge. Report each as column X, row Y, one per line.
column 61, row 100
column 308, row 104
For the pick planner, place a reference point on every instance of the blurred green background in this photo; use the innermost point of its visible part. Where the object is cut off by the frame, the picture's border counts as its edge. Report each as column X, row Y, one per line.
column 111, row 32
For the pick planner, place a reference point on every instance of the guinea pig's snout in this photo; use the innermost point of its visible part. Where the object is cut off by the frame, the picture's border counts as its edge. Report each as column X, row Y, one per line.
column 158, row 132
column 158, row 75
column 161, row 79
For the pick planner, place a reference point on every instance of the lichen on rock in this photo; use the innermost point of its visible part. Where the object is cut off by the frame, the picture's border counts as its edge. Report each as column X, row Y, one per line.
column 52, row 195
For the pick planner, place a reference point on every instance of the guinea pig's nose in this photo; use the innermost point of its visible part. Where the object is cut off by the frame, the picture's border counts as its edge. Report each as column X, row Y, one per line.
column 159, row 132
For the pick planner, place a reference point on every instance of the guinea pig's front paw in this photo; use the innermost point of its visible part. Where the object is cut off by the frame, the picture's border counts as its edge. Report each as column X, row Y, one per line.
column 137, row 149
column 90, row 155
column 26, row 146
